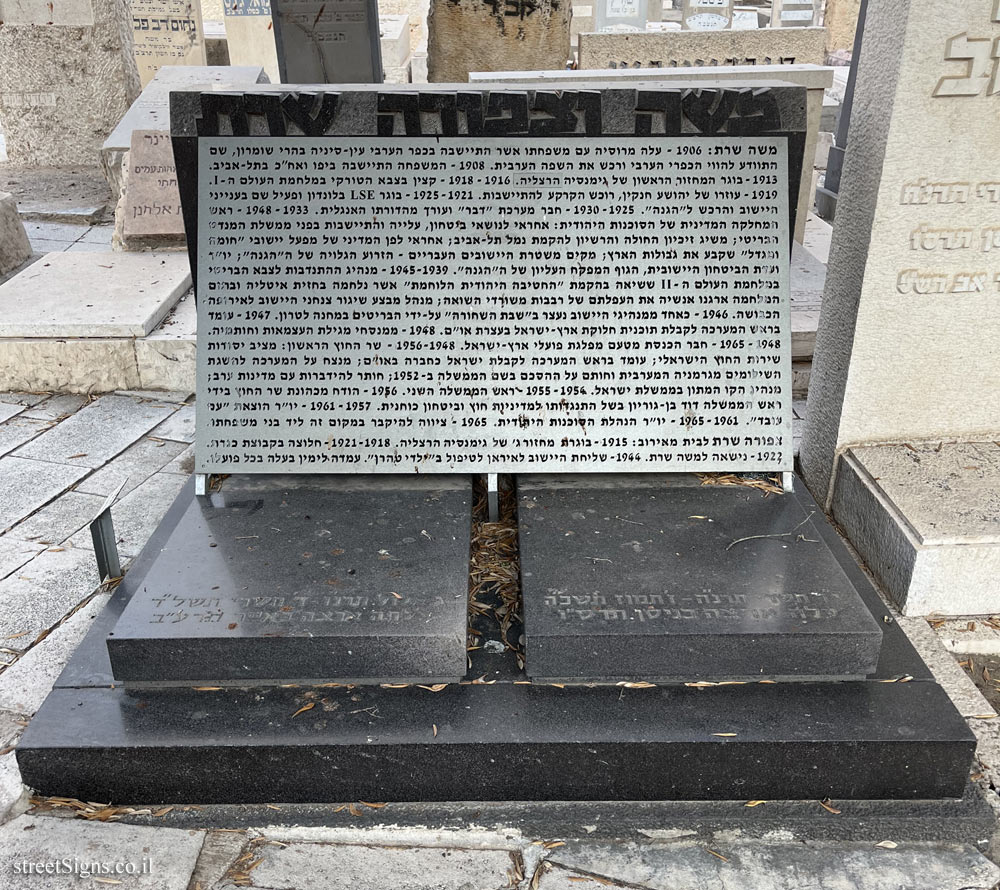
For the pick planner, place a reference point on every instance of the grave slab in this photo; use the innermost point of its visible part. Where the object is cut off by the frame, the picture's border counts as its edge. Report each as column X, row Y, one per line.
column 92, row 295
column 57, row 407
column 179, row 427
column 30, row 484
column 308, row 578
column 925, row 518
column 105, row 427
column 642, row 581
column 9, row 411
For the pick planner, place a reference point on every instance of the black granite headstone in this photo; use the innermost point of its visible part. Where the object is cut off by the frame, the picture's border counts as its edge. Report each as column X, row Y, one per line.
column 306, row 578
column 628, row 579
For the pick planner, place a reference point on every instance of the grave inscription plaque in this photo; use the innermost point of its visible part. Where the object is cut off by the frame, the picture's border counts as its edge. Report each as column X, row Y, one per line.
column 485, row 304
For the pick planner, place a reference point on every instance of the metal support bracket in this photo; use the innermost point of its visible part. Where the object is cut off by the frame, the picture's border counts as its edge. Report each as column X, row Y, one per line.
column 102, row 532
column 493, row 496
column 201, row 483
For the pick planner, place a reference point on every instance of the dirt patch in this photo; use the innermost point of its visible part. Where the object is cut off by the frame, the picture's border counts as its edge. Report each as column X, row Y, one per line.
column 59, row 194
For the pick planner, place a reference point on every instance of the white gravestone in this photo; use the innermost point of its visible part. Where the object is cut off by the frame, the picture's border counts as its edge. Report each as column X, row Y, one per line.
column 166, row 32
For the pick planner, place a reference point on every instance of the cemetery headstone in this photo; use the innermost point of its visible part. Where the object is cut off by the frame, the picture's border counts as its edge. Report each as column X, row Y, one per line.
column 327, row 42
column 152, row 203
column 250, row 36
column 745, row 18
column 793, row 13
column 840, row 18
column 166, row 32
column 673, row 49
column 620, row 15
column 495, row 35
column 658, row 296
column 67, row 77
column 706, row 15
column 914, row 265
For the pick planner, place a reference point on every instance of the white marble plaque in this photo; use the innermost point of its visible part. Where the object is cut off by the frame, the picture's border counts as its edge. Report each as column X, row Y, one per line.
column 441, row 305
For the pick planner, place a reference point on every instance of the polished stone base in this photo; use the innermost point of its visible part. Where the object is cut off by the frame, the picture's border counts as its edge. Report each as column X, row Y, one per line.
column 893, row 735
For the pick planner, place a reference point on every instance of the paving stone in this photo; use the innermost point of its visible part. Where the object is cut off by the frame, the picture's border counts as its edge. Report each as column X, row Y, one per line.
column 759, row 865
column 170, row 853
column 52, row 231
column 179, row 427
column 30, row 484
column 156, row 395
column 555, row 878
column 183, row 463
column 137, row 514
column 41, row 592
column 15, row 553
column 24, row 685
column 7, row 411
column 104, row 428
column 18, row 430
column 54, row 523
column 87, row 247
column 219, row 850
column 22, row 398
column 321, row 866
column 57, row 407
column 136, row 464
column 11, row 727
column 11, row 789
column 49, row 247
column 93, row 295
column 99, row 235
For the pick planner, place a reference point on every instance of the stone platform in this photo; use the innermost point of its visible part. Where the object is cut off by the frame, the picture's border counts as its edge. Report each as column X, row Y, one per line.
column 926, row 519
column 279, row 580
column 894, row 734
column 644, row 578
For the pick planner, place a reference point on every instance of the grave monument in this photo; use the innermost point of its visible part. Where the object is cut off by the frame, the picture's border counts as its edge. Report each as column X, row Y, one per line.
column 166, row 33
column 401, row 290
column 495, row 35
column 322, row 41
column 904, row 449
column 706, row 15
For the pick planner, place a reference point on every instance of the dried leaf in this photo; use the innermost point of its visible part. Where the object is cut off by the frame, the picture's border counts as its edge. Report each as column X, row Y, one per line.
column 393, row 593
column 162, row 812
column 307, row 707
column 434, row 727
column 716, row 855
column 637, row 685
column 272, row 806
column 754, row 803
column 887, row 845
column 18, row 636
column 825, row 804
column 725, row 735
column 374, row 806
column 551, row 845
column 437, row 687
column 206, row 688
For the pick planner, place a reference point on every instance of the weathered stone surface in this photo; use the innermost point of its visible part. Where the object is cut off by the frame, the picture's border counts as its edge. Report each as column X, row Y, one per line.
column 11, row 789
column 179, row 426
column 319, row 866
column 14, row 553
column 14, row 245
column 152, row 204
column 9, row 411
column 655, row 49
column 914, row 254
column 30, row 484
column 250, row 36
column 166, row 32
column 40, row 593
column 106, row 427
column 770, row 865
column 166, row 359
column 793, row 13
column 317, row 43
column 92, row 295
column 840, row 20
column 24, row 685
column 67, row 78
column 394, row 34
column 18, row 430
column 133, row 466
column 925, row 519
column 137, row 514
column 62, row 518
column 56, row 407
column 469, row 35
column 168, row 854
column 72, row 365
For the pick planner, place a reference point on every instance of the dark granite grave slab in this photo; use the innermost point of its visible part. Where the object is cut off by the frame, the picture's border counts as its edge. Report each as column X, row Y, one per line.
column 636, row 580
column 502, row 742
column 305, row 578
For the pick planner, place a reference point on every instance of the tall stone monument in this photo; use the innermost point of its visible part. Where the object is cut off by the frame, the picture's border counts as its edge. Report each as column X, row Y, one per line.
column 67, row 76
column 250, row 35
column 906, row 351
column 166, row 32
column 322, row 41
column 496, row 35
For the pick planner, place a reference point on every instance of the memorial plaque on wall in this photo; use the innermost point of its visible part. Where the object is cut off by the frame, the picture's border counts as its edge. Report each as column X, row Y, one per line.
column 327, row 41
column 479, row 303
